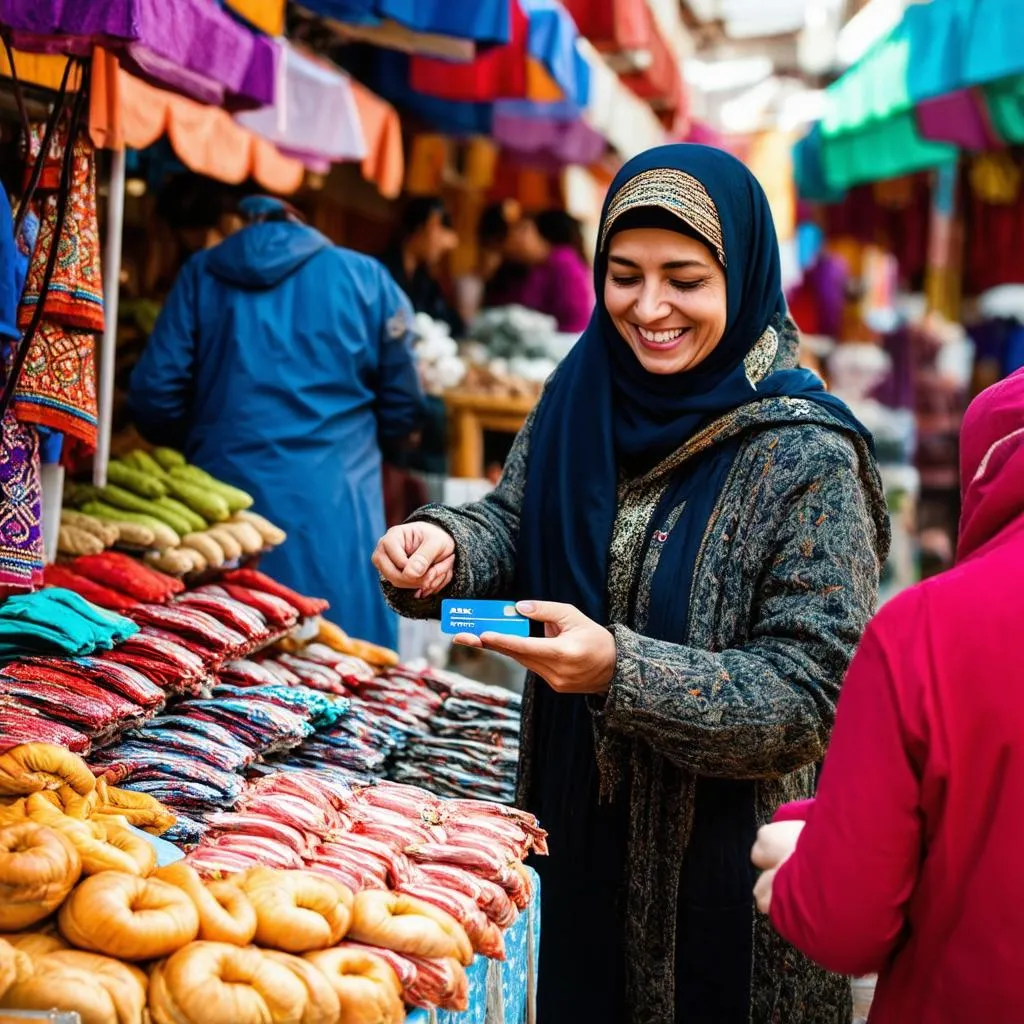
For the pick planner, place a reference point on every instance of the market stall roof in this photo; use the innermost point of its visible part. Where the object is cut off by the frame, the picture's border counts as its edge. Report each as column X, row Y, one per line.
column 208, row 56
column 265, row 15
column 630, row 34
column 206, row 139
column 314, row 117
column 539, row 64
column 481, row 22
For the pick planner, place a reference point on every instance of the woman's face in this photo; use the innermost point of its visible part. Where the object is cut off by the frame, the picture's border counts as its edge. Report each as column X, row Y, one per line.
column 665, row 293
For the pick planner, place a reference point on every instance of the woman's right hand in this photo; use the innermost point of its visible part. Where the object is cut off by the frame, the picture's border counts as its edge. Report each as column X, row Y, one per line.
column 416, row 556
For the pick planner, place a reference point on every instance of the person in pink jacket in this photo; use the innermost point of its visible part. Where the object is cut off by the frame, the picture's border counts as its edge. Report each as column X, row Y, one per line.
column 909, row 861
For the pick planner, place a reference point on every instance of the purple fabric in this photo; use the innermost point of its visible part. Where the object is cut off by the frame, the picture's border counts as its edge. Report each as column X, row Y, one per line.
column 960, row 118
column 21, row 508
column 196, row 49
column 314, row 118
column 560, row 142
column 562, row 287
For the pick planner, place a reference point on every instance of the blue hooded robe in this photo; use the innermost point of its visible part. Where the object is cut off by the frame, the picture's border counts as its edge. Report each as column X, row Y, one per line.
column 278, row 364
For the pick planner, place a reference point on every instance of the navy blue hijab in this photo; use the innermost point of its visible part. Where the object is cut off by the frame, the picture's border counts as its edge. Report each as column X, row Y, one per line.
column 603, row 410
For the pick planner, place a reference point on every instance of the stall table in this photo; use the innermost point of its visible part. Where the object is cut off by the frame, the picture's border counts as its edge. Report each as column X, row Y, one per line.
column 470, row 413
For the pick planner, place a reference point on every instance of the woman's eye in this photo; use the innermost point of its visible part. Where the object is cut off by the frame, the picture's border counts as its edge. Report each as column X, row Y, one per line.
column 686, row 286
column 625, row 282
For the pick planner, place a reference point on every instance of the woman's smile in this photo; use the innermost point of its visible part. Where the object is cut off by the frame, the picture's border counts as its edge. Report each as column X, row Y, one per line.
column 662, row 340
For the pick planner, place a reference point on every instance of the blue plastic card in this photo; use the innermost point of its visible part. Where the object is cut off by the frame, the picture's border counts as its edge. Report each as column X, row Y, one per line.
column 476, row 617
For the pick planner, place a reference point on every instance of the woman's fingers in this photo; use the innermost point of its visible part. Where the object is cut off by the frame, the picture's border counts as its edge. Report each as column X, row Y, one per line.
column 407, row 555
column 386, row 567
column 434, row 547
column 437, row 578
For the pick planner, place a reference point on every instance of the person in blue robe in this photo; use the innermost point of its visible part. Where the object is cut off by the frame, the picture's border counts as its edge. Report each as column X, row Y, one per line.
column 280, row 363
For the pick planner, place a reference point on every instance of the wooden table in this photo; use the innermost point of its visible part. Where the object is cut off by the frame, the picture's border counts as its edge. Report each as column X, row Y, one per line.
column 470, row 413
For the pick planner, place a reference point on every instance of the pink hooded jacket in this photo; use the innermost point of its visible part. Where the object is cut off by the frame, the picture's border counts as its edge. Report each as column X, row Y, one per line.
column 911, row 863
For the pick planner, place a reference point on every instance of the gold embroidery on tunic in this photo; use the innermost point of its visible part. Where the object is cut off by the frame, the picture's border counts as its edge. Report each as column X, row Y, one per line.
column 680, row 194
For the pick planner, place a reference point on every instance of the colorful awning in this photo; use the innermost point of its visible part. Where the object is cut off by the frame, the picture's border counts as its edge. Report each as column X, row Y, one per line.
column 498, row 73
column 539, row 64
column 314, row 117
column 206, row 139
column 265, row 15
column 198, row 49
column 485, row 22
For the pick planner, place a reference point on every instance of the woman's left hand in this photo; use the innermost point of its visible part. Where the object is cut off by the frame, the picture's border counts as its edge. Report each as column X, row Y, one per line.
column 575, row 655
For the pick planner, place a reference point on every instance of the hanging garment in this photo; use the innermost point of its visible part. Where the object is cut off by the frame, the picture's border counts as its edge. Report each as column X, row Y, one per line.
column 21, row 509
column 57, row 387
column 75, row 295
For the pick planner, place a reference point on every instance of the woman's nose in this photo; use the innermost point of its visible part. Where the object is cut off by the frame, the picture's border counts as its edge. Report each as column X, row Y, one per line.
column 650, row 306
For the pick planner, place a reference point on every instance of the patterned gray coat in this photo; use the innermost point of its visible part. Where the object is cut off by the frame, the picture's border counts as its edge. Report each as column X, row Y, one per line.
column 785, row 582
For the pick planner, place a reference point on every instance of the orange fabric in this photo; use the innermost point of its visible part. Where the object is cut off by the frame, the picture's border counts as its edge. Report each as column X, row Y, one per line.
column 105, row 126
column 266, row 15
column 428, row 158
column 384, row 164
column 40, row 69
column 206, row 139
column 480, row 158
column 540, row 86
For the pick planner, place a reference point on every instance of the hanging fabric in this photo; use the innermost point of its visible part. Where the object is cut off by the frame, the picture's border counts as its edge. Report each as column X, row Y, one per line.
column 21, row 511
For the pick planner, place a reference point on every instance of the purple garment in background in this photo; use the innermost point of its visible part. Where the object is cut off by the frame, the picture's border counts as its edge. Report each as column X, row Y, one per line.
column 196, row 48
column 557, row 143
column 827, row 277
column 561, row 287
column 960, row 118
column 897, row 390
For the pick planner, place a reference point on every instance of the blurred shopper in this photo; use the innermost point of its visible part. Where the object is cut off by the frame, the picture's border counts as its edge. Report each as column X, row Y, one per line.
column 909, row 863
column 279, row 363
column 424, row 238
column 545, row 270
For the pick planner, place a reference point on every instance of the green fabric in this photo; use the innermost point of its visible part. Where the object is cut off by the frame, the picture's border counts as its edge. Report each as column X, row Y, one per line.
column 56, row 621
column 1005, row 100
column 872, row 91
column 887, row 149
column 869, row 132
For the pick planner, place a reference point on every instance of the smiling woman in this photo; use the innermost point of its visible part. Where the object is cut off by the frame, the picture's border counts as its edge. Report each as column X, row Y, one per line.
column 665, row 293
column 699, row 527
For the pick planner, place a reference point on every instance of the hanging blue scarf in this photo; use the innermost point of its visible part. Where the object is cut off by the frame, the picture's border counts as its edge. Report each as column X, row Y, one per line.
column 603, row 410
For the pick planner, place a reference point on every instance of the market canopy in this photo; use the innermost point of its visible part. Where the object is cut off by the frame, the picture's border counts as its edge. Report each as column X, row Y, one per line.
column 950, row 75
column 483, row 22
column 205, row 54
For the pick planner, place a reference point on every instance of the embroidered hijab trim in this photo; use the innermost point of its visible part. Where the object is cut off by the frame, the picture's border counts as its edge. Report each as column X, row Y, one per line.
column 679, row 193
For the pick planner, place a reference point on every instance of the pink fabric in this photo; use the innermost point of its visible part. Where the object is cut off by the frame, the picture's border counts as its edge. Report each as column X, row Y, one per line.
column 910, row 862
column 562, row 287
column 957, row 117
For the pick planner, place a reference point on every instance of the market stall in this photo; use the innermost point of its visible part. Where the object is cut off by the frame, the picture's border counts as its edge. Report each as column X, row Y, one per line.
column 204, row 703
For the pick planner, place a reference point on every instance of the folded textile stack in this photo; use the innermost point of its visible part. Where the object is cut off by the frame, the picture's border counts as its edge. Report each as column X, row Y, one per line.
column 471, row 748
column 57, row 622
column 193, row 759
column 49, row 695
column 464, row 858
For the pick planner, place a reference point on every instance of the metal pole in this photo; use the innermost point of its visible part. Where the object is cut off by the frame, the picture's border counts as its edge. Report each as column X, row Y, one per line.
column 111, row 296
